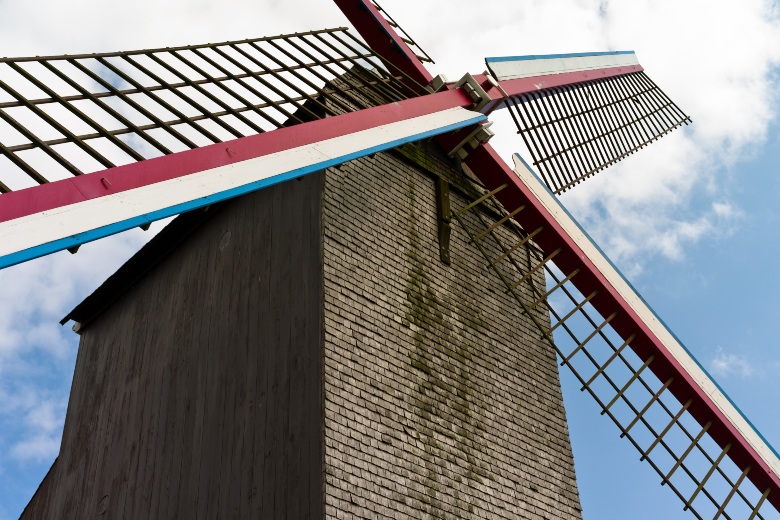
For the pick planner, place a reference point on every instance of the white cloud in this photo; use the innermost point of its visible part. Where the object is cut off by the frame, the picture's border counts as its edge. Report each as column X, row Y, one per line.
column 31, row 415
column 40, row 440
column 40, row 447
column 35, row 295
column 37, row 355
column 34, row 27
column 726, row 364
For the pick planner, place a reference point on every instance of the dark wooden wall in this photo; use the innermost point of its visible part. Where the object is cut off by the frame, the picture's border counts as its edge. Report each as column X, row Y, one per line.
column 441, row 398
column 199, row 393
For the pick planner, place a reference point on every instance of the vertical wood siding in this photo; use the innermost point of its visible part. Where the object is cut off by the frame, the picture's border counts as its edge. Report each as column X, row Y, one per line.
column 198, row 393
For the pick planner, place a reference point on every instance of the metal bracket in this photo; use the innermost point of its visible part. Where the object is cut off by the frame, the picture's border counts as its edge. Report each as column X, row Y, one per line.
column 480, row 134
column 493, row 81
column 443, row 216
column 474, row 90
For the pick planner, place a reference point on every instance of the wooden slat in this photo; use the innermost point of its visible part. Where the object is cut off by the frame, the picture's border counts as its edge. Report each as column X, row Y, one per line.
column 183, row 398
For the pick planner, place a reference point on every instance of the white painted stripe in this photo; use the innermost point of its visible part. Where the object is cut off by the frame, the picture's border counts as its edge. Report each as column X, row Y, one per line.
column 48, row 226
column 522, row 67
column 638, row 305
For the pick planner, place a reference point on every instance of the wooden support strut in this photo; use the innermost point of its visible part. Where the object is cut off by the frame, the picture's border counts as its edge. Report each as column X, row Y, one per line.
column 759, row 504
column 498, row 223
column 668, row 427
column 707, row 477
column 630, row 381
column 572, row 312
column 612, row 358
column 728, row 498
column 557, row 286
column 515, row 247
column 590, row 336
column 692, row 445
column 652, row 400
column 443, row 218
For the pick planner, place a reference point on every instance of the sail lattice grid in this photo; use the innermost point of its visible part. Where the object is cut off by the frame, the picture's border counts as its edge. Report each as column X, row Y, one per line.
column 575, row 131
column 607, row 366
column 419, row 52
column 67, row 115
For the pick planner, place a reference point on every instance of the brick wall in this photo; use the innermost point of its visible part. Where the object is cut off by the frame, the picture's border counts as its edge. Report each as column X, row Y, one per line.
column 441, row 401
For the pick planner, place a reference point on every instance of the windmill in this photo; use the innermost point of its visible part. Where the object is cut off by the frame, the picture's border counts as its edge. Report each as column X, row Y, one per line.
column 538, row 104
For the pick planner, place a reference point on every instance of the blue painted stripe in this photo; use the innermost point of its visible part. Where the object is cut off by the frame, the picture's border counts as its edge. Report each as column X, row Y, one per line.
column 739, row 411
column 553, row 56
column 118, row 227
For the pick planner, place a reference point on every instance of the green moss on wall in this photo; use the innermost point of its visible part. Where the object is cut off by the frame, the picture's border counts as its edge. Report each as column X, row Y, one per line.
column 442, row 358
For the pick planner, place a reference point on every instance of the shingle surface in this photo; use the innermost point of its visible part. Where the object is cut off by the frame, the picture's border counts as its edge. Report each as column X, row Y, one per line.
column 441, row 401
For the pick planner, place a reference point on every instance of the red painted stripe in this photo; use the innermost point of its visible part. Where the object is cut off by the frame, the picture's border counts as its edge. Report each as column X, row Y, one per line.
column 122, row 178
column 382, row 38
column 493, row 172
column 515, row 87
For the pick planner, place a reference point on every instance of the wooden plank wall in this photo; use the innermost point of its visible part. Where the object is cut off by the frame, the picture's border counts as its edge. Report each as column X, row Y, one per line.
column 199, row 393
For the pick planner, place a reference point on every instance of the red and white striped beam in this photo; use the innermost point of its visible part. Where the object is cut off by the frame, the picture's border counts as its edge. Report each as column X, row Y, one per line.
column 21, row 209
column 517, row 67
column 383, row 39
column 517, row 74
column 597, row 273
column 64, row 214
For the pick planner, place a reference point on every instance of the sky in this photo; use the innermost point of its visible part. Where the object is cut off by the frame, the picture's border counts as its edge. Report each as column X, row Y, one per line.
column 692, row 221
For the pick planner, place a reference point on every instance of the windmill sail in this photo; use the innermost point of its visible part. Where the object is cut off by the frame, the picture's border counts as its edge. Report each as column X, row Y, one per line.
column 63, row 116
column 228, row 109
column 623, row 355
column 418, row 51
column 605, row 109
